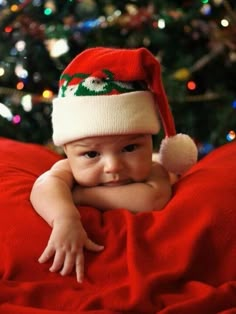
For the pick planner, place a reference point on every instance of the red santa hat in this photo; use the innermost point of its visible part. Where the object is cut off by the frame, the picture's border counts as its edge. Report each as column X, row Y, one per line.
column 106, row 91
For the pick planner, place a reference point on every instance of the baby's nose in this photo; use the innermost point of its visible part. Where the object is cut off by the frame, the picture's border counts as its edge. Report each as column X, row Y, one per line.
column 112, row 164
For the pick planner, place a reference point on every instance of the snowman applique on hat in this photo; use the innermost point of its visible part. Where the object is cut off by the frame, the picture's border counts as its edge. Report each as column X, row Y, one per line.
column 106, row 91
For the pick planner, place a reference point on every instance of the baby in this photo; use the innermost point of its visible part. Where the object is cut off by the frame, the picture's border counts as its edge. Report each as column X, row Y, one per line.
column 104, row 118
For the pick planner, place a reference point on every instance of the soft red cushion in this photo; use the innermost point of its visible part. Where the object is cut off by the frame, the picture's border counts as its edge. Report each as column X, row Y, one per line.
column 179, row 260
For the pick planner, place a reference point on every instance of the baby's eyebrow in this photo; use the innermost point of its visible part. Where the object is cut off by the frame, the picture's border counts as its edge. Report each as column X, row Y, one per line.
column 85, row 145
column 136, row 137
column 80, row 144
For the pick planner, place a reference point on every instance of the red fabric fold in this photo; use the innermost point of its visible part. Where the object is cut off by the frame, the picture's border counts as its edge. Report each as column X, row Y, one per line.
column 178, row 260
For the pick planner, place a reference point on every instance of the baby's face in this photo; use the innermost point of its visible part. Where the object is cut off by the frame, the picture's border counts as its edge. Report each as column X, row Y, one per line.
column 110, row 160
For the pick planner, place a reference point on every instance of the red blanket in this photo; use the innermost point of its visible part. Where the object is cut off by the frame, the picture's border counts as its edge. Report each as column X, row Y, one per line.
column 179, row 260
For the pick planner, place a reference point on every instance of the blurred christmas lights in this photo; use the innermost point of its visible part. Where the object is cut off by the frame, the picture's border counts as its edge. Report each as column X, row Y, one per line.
column 5, row 112
column 231, row 136
column 8, row 29
column 20, row 45
column 218, row 2
column 26, row 102
column 161, row 23
column 20, row 85
column 205, row 148
column 57, row 47
column 47, row 94
column 181, row 74
column 21, row 72
column 2, row 71
column 206, row 9
column 191, row 85
column 224, row 23
column 16, row 119
column 14, row 8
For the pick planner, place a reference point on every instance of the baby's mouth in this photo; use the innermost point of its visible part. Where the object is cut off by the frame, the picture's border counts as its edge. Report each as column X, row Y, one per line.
column 116, row 183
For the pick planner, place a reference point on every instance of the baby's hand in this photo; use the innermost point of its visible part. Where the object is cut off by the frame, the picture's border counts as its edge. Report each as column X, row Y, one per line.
column 66, row 244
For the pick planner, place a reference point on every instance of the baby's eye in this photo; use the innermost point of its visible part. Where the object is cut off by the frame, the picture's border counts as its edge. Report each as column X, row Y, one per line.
column 130, row 148
column 91, row 154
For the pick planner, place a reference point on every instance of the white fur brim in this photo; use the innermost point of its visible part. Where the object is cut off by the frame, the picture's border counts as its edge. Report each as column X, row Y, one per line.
column 78, row 117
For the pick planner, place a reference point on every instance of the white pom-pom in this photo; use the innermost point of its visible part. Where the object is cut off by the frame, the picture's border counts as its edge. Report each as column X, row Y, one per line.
column 178, row 153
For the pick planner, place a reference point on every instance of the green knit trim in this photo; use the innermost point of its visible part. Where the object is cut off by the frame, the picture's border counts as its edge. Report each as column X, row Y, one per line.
column 68, row 78
column 101, row 86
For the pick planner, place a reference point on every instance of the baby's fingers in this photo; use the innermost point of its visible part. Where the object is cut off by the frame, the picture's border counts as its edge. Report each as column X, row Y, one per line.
column 79, row 267
column 46, row 255
column 58, row 261
column 92, row 246
column 79, row 262
column 69, row 264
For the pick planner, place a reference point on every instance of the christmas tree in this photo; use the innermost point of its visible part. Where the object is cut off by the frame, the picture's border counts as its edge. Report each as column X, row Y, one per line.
column 195, row 42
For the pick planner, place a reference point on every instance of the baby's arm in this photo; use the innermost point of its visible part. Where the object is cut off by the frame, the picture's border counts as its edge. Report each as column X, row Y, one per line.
column 153, row 194
column 52, row 199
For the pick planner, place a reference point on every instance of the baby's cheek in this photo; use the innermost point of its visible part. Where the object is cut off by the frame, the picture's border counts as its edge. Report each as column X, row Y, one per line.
column 142, row 172
column 87, row 179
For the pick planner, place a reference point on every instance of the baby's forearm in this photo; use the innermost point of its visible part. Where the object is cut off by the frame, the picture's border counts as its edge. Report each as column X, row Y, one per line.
column 136, row 197
column 52, row 198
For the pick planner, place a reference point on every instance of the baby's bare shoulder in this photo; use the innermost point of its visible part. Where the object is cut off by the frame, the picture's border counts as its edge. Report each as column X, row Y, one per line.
column 62, row 164
column 61, row 170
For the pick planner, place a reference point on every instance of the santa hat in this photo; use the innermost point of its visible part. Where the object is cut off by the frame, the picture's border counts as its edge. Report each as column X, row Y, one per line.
column 106, row 91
